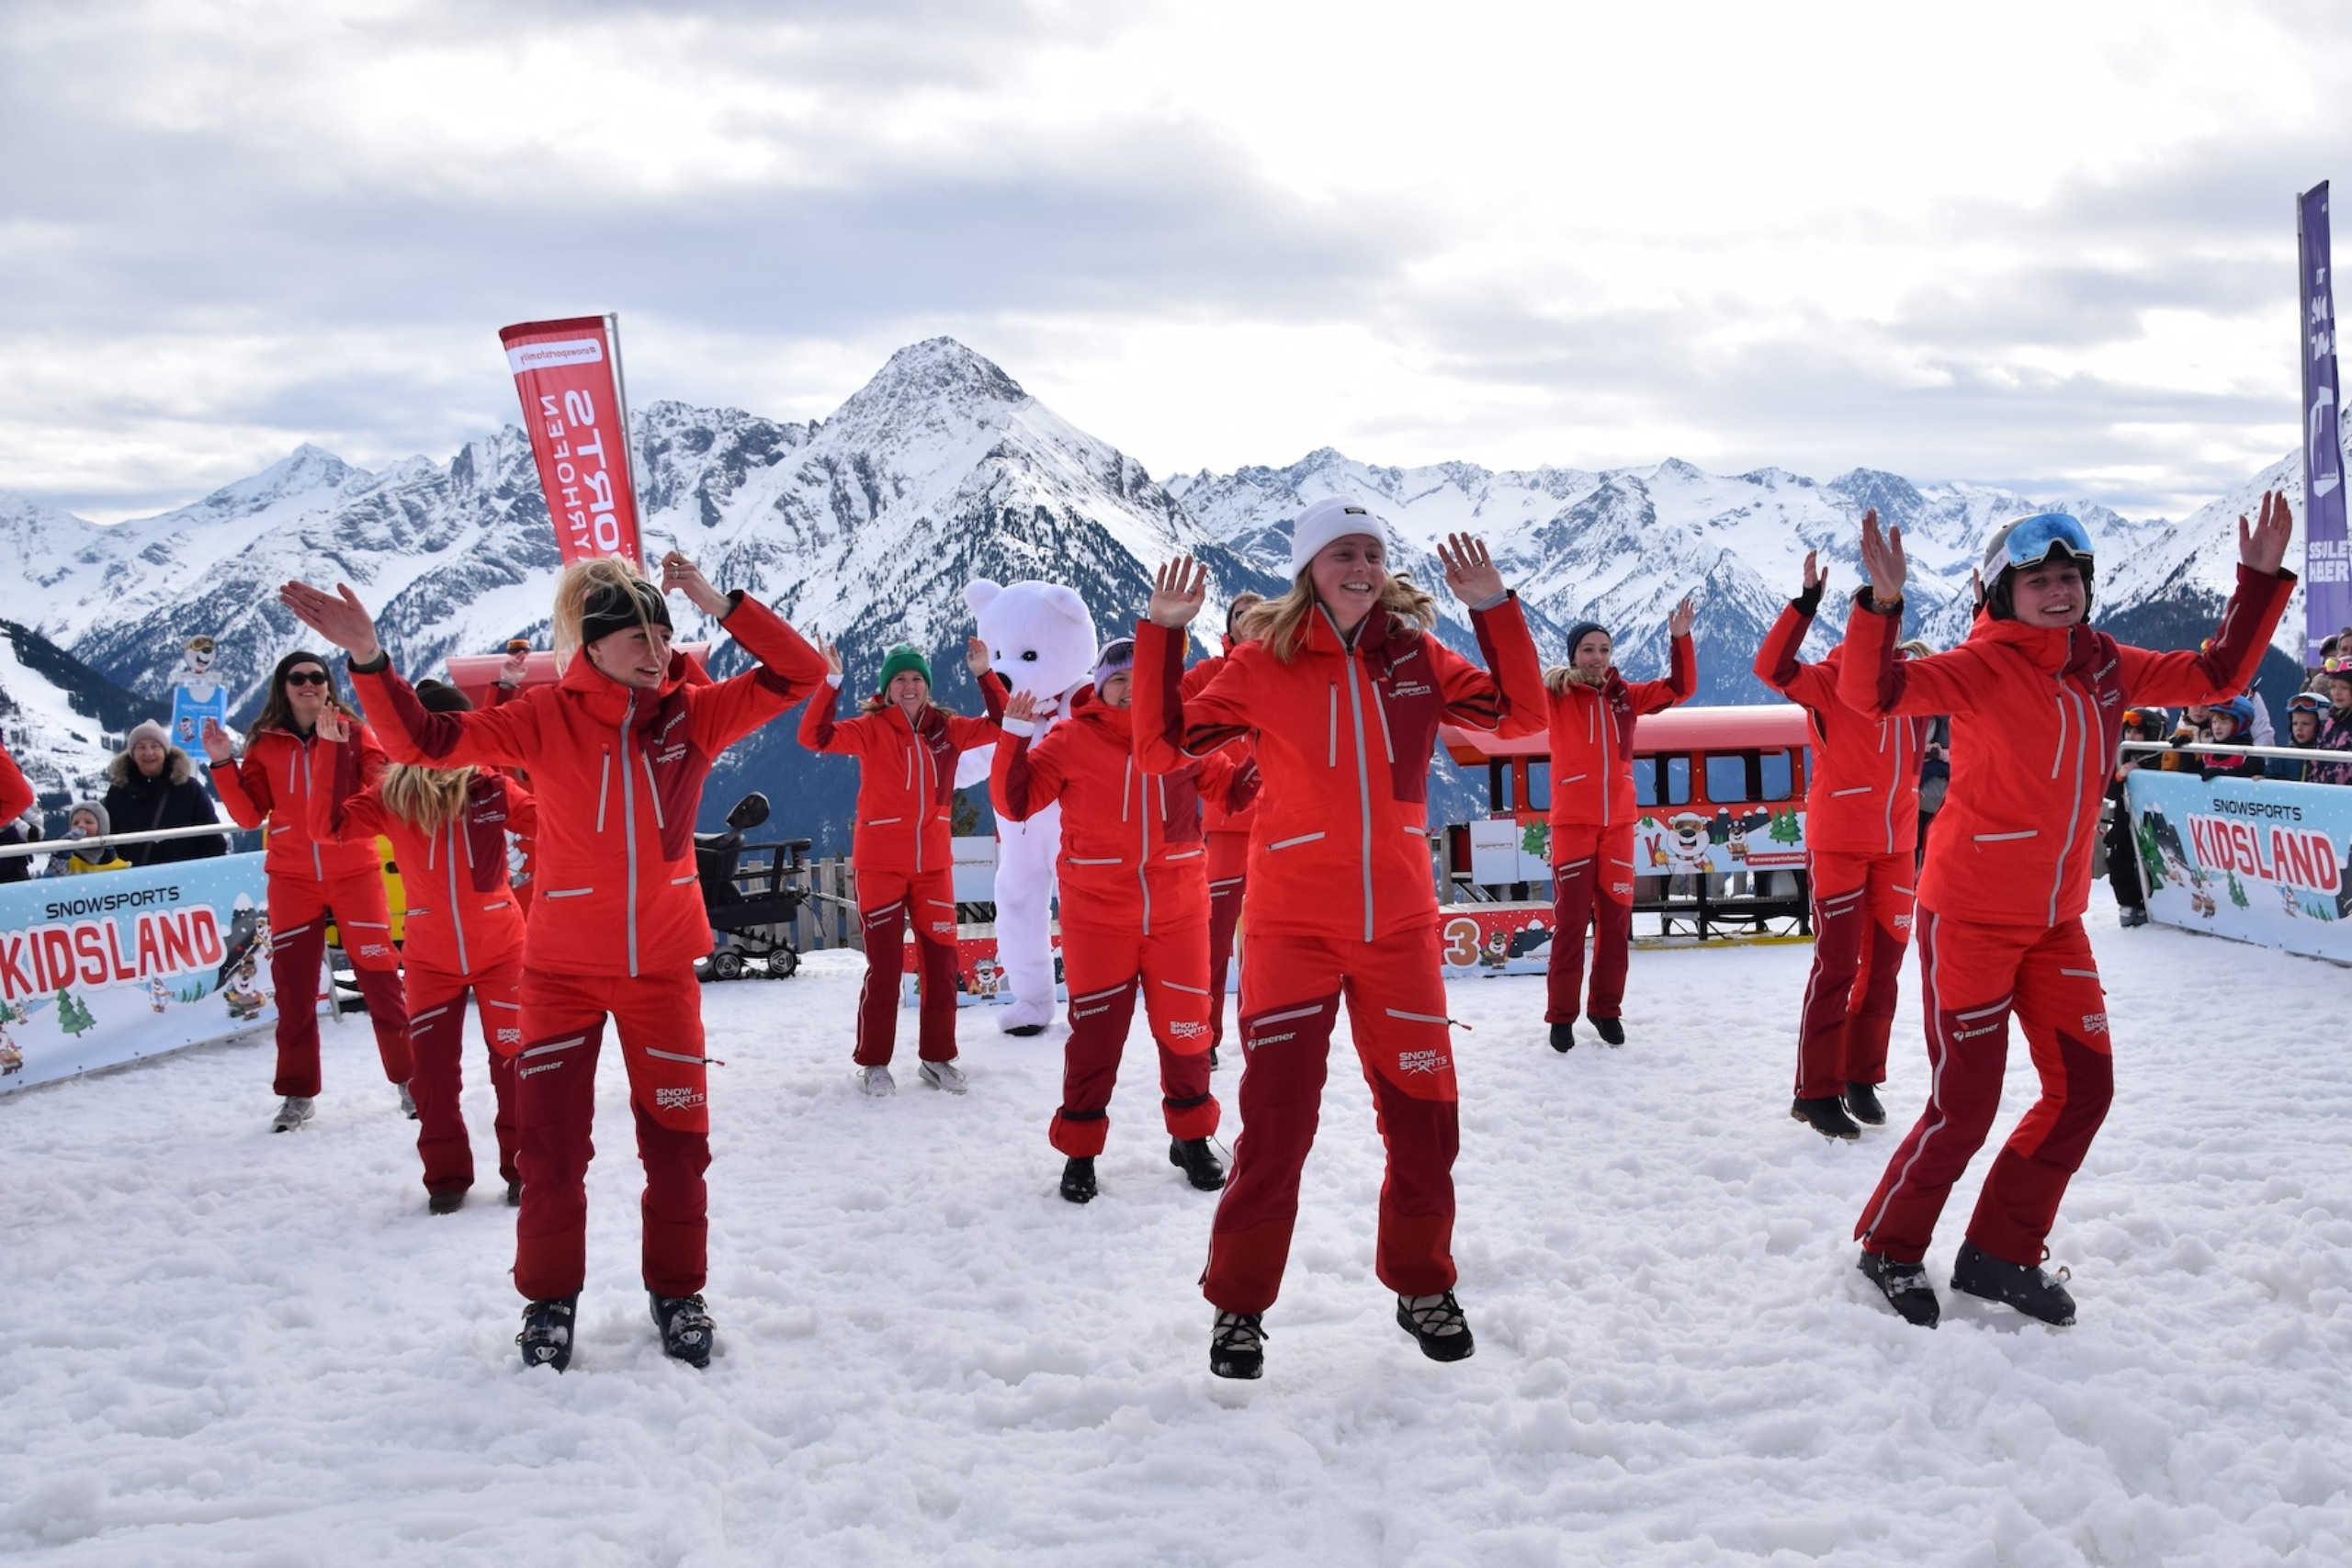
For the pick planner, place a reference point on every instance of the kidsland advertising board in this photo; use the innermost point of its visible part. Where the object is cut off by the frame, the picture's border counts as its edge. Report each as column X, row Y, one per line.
column 2257, row 860
column 107, row 968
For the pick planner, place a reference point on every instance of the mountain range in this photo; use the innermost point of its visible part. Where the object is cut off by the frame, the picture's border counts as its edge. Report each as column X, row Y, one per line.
column 864, row 527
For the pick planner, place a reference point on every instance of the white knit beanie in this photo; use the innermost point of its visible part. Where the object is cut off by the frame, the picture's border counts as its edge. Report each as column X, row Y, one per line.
column 1333, row 517
column 148, row 729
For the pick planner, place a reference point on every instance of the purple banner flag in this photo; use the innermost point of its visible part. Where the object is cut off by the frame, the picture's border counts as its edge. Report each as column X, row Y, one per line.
column 2327, row 562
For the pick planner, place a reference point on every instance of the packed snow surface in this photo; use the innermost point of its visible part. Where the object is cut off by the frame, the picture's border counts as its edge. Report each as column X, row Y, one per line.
column 219, row 1345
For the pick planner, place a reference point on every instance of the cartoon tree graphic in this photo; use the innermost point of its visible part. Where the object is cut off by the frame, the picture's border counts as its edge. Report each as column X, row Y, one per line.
column 2151, row 856
column 1785, row 829
column 73, row 1017
column 1536, row 840
column 9, row 1013
column 2237, row 891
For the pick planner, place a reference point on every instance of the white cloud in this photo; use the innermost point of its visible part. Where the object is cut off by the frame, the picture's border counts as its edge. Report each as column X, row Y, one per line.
column 2048, row 246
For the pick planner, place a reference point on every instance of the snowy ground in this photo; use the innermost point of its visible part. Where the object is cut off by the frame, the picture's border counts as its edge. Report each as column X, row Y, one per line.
column 218, row 1346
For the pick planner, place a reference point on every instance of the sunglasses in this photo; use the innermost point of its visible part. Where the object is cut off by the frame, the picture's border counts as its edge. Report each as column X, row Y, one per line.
column 308, row 678
column 2029, row 541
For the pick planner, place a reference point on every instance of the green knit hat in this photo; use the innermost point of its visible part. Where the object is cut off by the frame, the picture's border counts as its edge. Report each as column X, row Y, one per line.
column 904, row 656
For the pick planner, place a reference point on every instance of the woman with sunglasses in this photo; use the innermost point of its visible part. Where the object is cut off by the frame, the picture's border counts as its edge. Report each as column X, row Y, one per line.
column 312, row 880
column 2036, row 699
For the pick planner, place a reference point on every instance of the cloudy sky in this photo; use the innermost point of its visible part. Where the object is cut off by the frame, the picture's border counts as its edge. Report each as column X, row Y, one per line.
column 2050, row 246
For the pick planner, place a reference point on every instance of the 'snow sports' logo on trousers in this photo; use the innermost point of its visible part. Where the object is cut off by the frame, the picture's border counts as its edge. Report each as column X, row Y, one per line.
column 1423, row 1062
column 676, row 1099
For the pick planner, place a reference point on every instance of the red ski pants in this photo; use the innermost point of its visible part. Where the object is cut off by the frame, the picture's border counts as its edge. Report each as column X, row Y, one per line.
column 1229, row 859
column 1972, row 978
column 436, row 1030
column 1104, row 965
column 1592, row 884
column 1861, row 923
column 1290, row 1004
column 299, row 909
column 885, row 901
column 659, row 1018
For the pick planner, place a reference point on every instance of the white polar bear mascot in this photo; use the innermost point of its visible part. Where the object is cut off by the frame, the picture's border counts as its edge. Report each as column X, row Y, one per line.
column 1041, row 640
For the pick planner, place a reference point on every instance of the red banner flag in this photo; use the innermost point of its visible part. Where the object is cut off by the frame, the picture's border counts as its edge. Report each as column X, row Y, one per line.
column 568, row 375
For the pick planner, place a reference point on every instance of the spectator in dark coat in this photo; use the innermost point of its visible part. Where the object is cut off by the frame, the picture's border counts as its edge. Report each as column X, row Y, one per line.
column 153, row 784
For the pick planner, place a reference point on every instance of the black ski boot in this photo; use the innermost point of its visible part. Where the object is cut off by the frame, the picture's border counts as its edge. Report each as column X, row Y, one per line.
column 547, row 1332
column 685, row 1327
column 1564, row 1037
column 1238, row 1344
column 1610, row 1029
column 514, row 1192
column 1437, row 1324
column 1824, row 1116
column 2022, row 1285
column 1078, row 1179
column 1905, row 1286
column 1198, row 1162
column 1861, row 1104
column 447, row 1202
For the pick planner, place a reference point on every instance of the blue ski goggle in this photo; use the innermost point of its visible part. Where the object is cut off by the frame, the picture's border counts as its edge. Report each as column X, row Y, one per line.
column 2304, row 701
column 2028, row 541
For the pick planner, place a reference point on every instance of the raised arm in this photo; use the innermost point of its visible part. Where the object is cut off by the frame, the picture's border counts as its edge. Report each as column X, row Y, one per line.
column 1173, row 729
column 2227, row 666
column 244, row 787
column 499, row 738
column 1682, row 667
column 1507, row 697
column 1024, row 779
column 1870, row 677
column 1779, row 662
column 788, row 671
column 820, row 726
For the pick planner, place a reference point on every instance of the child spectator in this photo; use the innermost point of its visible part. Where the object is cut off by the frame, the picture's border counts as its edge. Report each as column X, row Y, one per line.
column 2304, row 710
column 2122, row 844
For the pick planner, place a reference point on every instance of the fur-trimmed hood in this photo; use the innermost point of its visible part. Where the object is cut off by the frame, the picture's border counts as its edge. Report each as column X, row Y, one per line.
column 123, row 774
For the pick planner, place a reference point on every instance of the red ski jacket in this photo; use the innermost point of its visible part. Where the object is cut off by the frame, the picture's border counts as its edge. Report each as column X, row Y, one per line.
column 1592, row 739
column 462, row 916
column 273, row 786
column 1343, row 734
column 906, row 775
column 618, row 775
column 1132, row 856
column 1216, row 814
column 2036, row 716
column 1864, row 797
column 16, row 794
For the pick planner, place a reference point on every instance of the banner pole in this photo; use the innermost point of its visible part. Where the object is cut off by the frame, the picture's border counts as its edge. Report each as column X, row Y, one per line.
column 629, row 432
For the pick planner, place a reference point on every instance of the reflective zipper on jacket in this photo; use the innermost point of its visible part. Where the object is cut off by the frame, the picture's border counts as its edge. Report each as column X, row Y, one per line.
column 628, row 827
column 1363, row 785
column 1142, row 836
column 604, row 786
column 920, row 757
column 2074, row 806
column 317, row 867
column 456, row 909
column 1608, row 721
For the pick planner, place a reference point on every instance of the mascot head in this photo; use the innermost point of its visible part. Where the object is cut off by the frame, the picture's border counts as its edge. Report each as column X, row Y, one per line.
column 1041, row 640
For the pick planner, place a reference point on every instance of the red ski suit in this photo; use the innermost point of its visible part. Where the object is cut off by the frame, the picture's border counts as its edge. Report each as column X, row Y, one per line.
column 904, row 856
column 1134, row 884
column 1862, row 833
column 1592, row 829
column 1343, row 903
column 2036, row 716
column 616, row 925
column 17, row 796
column 464, row 932
column 1226, row 829
column 311, row 881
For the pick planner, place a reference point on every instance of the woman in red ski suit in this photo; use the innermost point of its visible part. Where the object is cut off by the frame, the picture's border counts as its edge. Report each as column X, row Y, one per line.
column 463, row 930
column 618, row 750
column 17, row 795
column 1135, row 911
column 1592, row 711
column 2036, row 700
column 1226, row 830
column 311, row 880
column 903, row 850
column 1340, row 690
column 1861, row 835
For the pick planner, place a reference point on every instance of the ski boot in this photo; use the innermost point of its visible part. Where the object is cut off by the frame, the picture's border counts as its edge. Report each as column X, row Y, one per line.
column 1564, row 1037
column 1861, row 1104
column 1238, row 1344
column 1824, row 1116
column 2022, row 1285
column 1905, row 1286
column 1198, row 1162
column 685, row 1327
column 446, row 1203
column 1610, row 1029
column 545, row 1338
column 1078, row 1178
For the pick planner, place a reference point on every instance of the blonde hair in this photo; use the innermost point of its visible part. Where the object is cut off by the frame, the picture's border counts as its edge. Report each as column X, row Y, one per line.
column 580, row 579
column 1560, row 677
column 426, row 798
column 1917, row 647
column 1279, row 625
